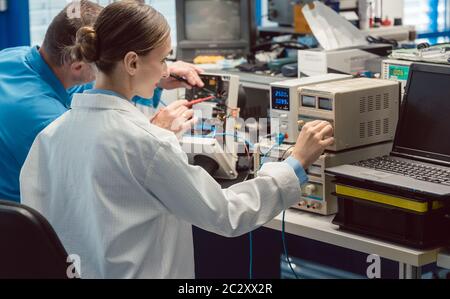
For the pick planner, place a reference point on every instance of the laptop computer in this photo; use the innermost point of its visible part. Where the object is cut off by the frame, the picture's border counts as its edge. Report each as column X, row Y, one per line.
column 420, row 157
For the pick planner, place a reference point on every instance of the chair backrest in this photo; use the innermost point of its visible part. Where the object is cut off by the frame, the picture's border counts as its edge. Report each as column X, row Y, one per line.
column 29, row 247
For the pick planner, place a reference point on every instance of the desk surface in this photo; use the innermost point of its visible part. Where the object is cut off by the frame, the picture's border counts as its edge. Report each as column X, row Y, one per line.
column 320, row 228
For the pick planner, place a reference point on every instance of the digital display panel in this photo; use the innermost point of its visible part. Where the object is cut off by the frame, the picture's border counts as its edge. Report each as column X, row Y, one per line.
column 309, row 101
column 280, row 98
column 325, row 104
column 399, row 72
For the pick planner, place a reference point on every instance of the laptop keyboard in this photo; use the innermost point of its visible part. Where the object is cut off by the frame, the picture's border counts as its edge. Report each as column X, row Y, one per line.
column 410, row 169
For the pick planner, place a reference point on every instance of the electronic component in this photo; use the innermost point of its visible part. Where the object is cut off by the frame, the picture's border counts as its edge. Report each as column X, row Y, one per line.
column 224, row 88
column 216, row 116
column 362, row 111
column 352, row 60
column 284, row 103
column 396, row 70
column 255, row 100
column 269, row 150
column 317, row 194
column 196, row 147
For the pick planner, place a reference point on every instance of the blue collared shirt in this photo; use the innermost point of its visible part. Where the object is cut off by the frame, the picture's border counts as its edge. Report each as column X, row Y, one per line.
column 31, row 97
column 153, row 102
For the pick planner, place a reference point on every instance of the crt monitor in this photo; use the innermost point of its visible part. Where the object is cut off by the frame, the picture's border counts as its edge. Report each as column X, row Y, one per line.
column 215, row 27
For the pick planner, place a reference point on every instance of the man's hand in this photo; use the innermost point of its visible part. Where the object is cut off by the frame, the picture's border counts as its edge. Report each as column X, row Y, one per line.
column 176, row 117
column 185, row 70
column 314, row 137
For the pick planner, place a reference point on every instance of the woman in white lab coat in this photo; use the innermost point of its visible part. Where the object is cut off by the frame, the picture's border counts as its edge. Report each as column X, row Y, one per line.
column 117, row 189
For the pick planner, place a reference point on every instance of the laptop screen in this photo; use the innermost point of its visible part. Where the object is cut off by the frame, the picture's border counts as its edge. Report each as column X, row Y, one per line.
column 424, row 126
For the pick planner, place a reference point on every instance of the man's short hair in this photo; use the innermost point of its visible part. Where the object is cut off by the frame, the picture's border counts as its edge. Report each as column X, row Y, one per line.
column 62, row 30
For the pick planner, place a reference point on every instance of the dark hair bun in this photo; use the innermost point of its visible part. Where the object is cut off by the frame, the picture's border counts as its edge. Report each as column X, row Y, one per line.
column 85, row 48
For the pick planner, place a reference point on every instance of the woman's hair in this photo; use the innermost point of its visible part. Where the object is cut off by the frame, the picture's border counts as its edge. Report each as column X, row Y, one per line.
column 120, row 28
column 62, row 30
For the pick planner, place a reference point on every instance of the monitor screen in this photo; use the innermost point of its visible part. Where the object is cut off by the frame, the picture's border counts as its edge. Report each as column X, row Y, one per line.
column 213, row 20
column 425, row 120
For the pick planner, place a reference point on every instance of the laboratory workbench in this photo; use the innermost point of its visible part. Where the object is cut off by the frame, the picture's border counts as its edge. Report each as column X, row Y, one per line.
column 320, row 228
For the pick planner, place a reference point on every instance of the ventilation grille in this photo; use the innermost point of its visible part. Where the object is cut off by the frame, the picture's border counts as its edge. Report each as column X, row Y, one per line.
column 386, row 126
column 370, row 129
column 378, row 127
column 378, row 102
column 373, row 128
column 362, row 130
column 386, row 101
column 374, row 103
column 370, row 104
column 362, row 105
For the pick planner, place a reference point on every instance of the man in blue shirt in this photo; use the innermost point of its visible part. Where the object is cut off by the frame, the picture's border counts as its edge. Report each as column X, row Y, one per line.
column 36, row 87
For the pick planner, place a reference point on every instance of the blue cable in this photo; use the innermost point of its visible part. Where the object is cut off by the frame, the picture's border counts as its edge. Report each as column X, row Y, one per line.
column 283, row 239
column 250, row 236
column 213, row 135
column 285, row 246
column 279, row 140
column 268, row 152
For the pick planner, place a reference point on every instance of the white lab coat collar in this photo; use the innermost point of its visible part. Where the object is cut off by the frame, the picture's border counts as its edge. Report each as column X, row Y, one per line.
column 110, row 102
column 101, row 101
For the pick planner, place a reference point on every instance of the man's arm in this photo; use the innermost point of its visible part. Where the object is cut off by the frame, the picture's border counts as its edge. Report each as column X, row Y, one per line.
column 188, row 71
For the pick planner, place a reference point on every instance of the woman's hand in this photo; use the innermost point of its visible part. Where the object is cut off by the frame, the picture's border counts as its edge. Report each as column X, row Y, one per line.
column 314, row 137
column 176, row 117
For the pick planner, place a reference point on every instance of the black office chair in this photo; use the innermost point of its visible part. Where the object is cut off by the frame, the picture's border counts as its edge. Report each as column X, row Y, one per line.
column 29, row 247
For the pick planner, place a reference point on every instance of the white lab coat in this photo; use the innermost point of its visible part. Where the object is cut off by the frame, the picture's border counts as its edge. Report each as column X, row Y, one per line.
column 120, row 194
